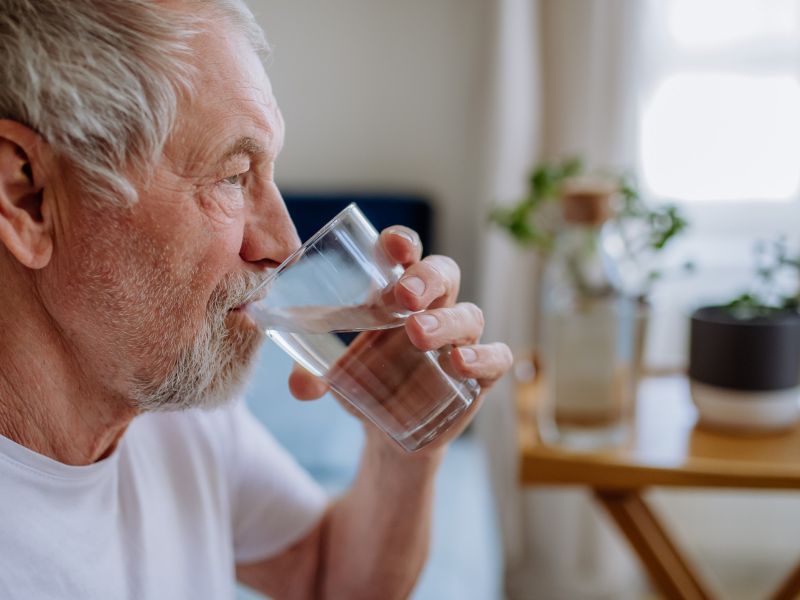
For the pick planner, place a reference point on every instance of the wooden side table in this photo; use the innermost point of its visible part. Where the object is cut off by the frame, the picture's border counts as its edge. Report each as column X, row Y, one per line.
column 667, row 450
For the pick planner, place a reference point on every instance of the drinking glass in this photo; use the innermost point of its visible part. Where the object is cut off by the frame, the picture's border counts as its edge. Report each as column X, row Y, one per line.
column 331, row 307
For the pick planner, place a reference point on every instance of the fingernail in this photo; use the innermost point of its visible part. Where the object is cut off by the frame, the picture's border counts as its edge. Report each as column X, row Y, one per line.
column 428, row 323
column 415, row 285
column 403, row 234
column 468, row 355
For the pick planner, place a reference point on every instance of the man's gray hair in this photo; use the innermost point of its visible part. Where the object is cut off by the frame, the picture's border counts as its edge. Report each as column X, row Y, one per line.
column 100, row 80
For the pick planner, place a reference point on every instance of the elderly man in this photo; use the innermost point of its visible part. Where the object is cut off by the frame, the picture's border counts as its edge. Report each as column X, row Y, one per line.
column 137, row 209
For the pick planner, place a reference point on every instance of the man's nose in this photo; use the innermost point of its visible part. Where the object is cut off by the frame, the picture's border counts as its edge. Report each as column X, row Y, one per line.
column 269, row 234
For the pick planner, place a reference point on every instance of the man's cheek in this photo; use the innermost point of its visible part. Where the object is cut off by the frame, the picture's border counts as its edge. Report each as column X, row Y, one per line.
column 222, row 233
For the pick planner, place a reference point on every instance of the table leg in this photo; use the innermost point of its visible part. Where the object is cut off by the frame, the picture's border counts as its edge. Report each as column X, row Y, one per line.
column 668, row 569
column 790, row 587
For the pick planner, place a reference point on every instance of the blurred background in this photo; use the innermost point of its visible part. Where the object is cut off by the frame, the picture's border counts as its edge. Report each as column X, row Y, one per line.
column 453, row 103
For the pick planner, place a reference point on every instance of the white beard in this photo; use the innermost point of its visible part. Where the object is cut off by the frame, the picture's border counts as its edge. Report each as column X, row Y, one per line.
column 213, row 369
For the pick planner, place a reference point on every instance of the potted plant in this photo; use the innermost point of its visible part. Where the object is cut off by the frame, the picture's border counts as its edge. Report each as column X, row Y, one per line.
column 598, row 244
column 744, row 358
column 634, row 236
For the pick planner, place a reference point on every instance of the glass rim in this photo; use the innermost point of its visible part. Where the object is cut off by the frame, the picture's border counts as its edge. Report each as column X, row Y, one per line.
column 322, row 232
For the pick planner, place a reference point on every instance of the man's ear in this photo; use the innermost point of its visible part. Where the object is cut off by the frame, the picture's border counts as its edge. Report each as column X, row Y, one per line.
column 25, row 224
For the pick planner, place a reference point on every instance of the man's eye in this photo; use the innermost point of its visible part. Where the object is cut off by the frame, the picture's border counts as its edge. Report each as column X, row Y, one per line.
column 234, row 179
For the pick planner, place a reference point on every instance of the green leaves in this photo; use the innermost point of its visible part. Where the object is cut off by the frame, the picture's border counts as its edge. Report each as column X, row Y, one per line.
column 666, row 222
column 546, row 180
column 528, row 223
column 524, row 221
column 776, row 285
column 516, row 221
column 751, row 306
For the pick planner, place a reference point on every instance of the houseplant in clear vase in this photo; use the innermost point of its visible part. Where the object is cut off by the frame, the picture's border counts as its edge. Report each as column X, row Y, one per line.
column 744, row 356
column 598, row 243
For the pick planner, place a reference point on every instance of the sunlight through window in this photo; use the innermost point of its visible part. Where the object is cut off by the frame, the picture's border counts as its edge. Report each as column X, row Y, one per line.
column 707, row 23
column 717, row 136
column 721, row 121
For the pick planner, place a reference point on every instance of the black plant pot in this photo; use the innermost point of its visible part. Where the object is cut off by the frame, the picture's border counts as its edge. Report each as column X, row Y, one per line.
column 745, row 372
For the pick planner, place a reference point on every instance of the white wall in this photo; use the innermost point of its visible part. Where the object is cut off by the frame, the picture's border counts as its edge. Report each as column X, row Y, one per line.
column 385, row 95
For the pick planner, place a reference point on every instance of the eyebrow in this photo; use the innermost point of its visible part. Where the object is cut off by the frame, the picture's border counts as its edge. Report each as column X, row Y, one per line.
column 244, row 146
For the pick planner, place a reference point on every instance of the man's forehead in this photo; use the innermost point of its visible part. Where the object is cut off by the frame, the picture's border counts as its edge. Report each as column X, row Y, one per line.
column 232, row 104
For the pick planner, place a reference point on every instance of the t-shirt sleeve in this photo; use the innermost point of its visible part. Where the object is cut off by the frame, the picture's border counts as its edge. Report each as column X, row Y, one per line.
column 275, row 502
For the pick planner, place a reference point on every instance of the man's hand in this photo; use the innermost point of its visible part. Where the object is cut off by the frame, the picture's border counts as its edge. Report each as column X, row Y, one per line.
column 373, row 541
column 430, row 285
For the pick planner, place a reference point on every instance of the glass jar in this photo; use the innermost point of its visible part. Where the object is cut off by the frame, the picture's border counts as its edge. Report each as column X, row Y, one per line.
column 589, row 331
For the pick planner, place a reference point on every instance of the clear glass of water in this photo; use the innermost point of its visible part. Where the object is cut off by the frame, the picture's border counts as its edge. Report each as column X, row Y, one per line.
column 331, row 307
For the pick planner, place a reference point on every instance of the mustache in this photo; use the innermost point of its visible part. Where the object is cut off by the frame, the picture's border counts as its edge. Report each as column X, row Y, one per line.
column 235, row 290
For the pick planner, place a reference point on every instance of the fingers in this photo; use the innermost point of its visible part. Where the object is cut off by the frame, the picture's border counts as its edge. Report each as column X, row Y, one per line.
column 402, row 244
column 304, row 385
column 431, row 283
column 486, row 363
column 458, row 325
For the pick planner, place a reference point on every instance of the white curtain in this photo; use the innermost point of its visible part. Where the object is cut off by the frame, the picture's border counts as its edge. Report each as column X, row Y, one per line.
column 513, row 133
column 564, row 73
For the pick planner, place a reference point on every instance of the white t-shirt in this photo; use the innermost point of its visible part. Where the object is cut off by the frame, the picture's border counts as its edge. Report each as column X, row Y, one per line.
column 184, row 497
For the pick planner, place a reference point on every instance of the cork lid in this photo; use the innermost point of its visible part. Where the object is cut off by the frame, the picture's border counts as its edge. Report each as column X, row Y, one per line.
column 587, row 201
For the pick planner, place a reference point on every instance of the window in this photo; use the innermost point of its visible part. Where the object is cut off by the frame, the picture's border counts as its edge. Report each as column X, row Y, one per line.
column 718, row 133
column 720, row 118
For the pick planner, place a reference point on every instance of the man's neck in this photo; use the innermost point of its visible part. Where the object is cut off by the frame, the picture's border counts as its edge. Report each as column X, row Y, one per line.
column 47, row 404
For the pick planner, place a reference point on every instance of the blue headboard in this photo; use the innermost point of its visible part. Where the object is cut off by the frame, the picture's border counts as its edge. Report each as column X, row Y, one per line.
column 310, row 211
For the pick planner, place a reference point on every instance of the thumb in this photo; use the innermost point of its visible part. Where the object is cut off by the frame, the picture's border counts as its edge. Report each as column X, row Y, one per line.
column 304, row 385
